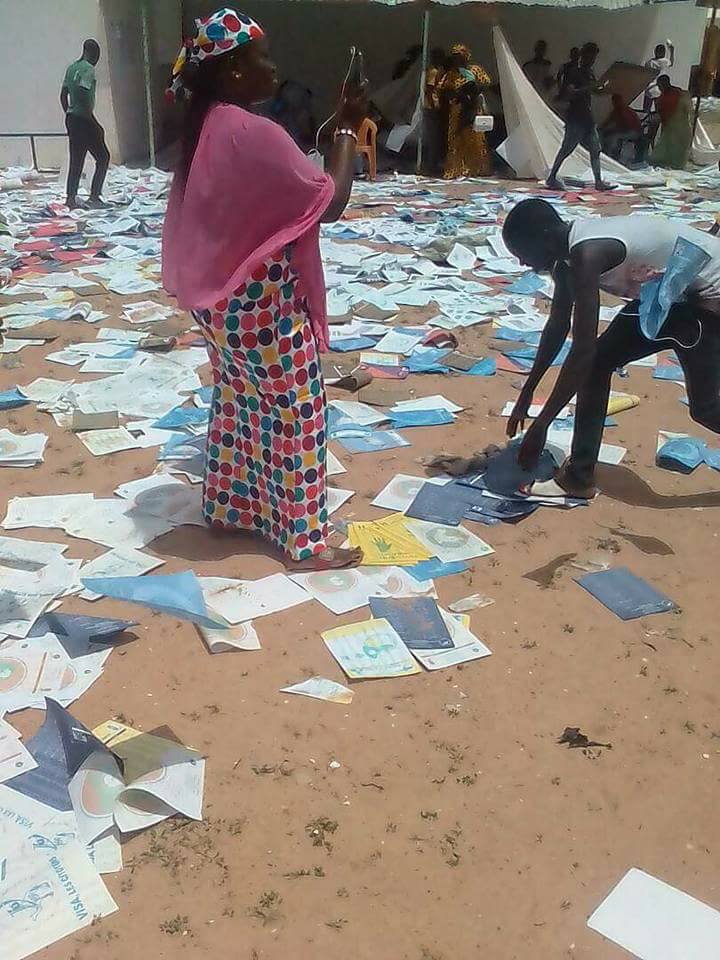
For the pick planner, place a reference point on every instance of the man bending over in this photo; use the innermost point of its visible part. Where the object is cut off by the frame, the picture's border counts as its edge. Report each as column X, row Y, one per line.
column 615, row 254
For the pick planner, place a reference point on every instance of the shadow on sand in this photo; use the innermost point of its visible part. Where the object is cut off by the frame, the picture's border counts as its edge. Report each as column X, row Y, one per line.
column 625, row 486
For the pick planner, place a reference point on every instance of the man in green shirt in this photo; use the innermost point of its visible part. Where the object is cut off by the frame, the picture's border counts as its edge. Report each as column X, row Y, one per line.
column 85, row 135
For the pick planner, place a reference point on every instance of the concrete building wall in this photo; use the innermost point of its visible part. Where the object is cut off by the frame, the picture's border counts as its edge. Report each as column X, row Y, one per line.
column 310, row 40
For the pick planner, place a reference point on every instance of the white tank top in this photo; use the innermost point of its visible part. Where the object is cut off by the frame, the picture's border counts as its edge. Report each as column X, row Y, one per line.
column 649, row 242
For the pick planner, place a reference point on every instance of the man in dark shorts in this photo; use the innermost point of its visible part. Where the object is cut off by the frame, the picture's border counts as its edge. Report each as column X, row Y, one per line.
column 580, row 84
column 617, row 255
column 85, row 135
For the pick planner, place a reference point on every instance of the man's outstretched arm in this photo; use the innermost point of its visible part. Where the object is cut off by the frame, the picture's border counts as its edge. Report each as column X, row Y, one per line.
column 553, row 337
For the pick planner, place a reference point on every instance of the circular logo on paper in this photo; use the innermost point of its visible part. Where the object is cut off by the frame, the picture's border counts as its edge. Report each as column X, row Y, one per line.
column 447, row 536
column 332, row 581
column 393, row 584
column 8, row 446
column 97, row 793
column 12, row 674
column 407, row 488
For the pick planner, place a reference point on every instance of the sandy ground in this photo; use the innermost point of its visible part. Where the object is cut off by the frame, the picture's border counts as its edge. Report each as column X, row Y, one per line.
column 456, row 826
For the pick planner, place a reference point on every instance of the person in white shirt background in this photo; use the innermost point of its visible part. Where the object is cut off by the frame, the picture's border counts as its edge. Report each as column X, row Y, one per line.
column 660, row 62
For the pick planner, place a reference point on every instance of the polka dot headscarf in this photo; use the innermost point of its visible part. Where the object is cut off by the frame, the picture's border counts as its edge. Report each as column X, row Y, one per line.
column 219, row 33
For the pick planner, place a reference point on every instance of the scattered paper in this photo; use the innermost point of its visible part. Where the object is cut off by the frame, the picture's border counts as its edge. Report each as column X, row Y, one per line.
column 655, row 921
column 321, row 689
column 370, row 649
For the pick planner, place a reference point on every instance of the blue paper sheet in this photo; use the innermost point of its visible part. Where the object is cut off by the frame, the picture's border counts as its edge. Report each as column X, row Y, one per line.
column 352, row 343
column 528, row 283
column 487, row 367
column 205, row 393
column 427, row 360
column 432, row 569
column 517, row 336
column 628, row 596
column 9, row 399
column 420, row 418
column 416, row 620
column 60, row 747
column 81, row 635
column 681, row 454
column 182, row 417
column 658, row 295
column 178, row 594
column 505, row 476
column 374, row 441
column 712, row 458
column 669, row 371
column 436, row 504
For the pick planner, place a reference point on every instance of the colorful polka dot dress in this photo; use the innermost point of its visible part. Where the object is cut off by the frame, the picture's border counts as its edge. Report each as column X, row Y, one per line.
column 265, row 466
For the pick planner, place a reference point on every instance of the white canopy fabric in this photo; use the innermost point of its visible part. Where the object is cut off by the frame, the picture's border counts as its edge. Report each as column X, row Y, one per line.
column 575, row 4
column 535, row 132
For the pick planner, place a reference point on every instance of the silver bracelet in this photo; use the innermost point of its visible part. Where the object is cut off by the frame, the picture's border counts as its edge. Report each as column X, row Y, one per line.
column 346, row 132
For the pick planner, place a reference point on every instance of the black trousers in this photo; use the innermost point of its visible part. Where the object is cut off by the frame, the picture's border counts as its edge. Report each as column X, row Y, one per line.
column 85, row 135
column 622, row 342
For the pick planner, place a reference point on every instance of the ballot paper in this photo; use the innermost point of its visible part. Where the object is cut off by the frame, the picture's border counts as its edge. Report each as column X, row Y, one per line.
column 28, row 555
column 48, row 512
column 146, row 311
column 102, row 442
column 236, row 601
column 118, row 563
column 159, row 778
column 361, row 413
column 321, row 689
column 461, row 257
column 654, row 921
column 400, row 341
column 336, row 497
column 15, row 758
column 562, row 439
column 47, row 893
column 116, row 523
column 339, row 590
column 44, row 390
column 435, row 402
column 466, row 646
column 400, row 492
column 21, row 450
column 39, row 667
column 334, row 467
column 396, row 582
column 241, row 636
column 448, row 543
column 25, row 594
column 177, row 594
column 369, row 649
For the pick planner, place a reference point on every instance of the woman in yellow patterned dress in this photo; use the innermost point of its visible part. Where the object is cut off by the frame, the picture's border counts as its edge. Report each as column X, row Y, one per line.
column 468, row 154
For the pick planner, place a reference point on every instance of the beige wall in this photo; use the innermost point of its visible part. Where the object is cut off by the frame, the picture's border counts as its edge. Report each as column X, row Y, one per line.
column 42, row 41
column 46, row 36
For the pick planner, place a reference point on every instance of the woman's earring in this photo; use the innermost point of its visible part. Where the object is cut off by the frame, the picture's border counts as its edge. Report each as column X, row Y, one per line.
column 238, row 76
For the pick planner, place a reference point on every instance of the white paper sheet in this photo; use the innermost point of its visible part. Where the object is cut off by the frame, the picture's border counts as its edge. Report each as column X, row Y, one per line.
column 28, row 554
column 655, row 921
column 400, row 492
column 435, row 402
column 449, row 543
column 239, row 600
column 339, row 590
column 241, row 636
column 48, row 894
column 319, row 688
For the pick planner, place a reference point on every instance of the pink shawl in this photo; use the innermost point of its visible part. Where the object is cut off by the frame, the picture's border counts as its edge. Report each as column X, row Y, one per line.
column 249, row 193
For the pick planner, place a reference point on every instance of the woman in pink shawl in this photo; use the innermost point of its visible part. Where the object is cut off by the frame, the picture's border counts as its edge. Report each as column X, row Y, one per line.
column 241, row 250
